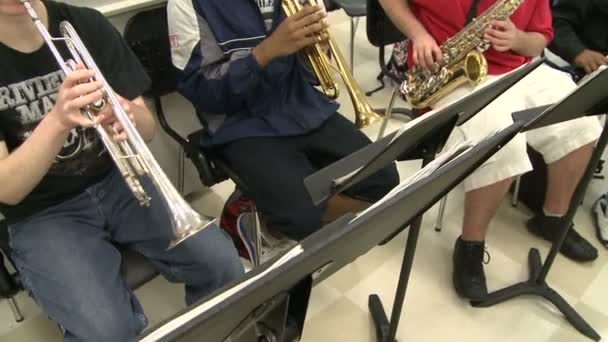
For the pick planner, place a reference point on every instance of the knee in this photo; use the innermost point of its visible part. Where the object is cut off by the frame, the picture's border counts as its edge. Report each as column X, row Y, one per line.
column 377, row 185
column 390, row 177
column 299, row 222
column 211, row 261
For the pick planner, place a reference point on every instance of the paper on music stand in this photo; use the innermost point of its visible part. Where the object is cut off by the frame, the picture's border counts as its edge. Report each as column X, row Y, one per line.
column 203, row 307
column 404, row 128
column 581, row 83
column 442, row 159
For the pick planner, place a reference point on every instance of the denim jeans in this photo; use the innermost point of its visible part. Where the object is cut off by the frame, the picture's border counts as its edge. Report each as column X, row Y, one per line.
column 68, row 264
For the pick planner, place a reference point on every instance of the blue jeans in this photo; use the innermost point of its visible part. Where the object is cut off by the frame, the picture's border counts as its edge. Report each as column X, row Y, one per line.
column 68, row 264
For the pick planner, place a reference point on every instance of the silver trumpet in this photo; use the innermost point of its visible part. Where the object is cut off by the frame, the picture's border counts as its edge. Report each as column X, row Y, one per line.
column 132, row 156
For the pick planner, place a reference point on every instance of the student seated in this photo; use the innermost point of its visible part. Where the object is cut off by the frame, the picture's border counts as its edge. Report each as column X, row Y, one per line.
column 241, row 64
column 566, row 147
column 63, row 198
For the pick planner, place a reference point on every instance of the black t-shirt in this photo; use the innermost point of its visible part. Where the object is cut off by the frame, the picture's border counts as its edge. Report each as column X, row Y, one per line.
column 29, row 84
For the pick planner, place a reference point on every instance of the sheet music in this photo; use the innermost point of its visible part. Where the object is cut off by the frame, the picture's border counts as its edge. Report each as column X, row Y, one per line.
column 431, row 167
column 203, row 307
column 580, row 84
column 445, row 158
column 403, row 129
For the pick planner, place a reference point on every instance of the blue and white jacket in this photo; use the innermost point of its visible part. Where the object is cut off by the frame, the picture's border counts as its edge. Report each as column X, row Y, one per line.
column 211, row 43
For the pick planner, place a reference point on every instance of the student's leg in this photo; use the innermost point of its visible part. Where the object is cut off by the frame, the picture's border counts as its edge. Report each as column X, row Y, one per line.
column 273, row 170
column 485, row 188
column 336, row 139
column 566, row 148
column 67, row 264
column 204, row 262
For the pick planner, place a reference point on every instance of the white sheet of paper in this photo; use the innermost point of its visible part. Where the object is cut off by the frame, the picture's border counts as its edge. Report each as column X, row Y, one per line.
column 203, row 307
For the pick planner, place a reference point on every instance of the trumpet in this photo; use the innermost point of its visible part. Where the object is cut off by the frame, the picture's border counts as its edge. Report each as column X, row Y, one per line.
column 323, row 69
column 132, row 157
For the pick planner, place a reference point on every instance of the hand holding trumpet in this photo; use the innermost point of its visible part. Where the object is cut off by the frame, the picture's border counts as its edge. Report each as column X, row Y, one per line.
column 296, row 32
column 78, row 91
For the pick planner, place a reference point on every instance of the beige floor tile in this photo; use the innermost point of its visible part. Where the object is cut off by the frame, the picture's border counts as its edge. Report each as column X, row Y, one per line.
column 343, row 321
column 597, row 320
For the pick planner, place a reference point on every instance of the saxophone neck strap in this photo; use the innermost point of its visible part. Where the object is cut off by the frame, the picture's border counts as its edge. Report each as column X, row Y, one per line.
column 472, row 11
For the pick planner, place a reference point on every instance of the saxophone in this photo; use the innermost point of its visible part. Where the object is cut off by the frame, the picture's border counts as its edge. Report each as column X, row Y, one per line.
column 462, row 60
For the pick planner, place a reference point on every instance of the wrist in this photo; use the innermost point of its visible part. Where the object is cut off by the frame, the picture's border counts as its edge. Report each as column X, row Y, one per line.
column 55, row 125
column 263, row 53
column 418, row 33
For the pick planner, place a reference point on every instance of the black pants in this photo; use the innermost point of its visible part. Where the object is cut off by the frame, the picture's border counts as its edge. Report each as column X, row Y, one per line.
column 274, row 170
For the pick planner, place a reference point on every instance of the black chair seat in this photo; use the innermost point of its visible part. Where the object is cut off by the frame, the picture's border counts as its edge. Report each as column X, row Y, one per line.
column 135, row 268
column 353, row 8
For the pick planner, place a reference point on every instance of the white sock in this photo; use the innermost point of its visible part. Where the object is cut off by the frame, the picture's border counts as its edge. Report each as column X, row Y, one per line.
column 548, row 214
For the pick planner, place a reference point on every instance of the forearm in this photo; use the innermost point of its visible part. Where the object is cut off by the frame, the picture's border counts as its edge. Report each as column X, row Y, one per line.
column 144, row 121
column 22, row 170
column 263, row 53
column 401, row 15
column 566, row 43
column 530, row 44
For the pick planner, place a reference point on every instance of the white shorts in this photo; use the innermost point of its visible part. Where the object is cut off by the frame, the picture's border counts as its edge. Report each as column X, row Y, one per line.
column 543, row 86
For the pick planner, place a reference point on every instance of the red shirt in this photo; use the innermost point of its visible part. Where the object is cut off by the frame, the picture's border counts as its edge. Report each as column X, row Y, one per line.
column 445, row 18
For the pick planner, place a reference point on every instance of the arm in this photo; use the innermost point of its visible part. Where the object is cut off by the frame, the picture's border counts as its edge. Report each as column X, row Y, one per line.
column 218, row 82
column 530, row 44
column 529, row 41
column 22, row 170
column 569, row 17
column 138, row 113
column 401, row 15
column 425, row 49
column 212, row 81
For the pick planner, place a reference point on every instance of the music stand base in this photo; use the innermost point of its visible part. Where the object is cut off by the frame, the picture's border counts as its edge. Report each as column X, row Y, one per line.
column 381, row 322
column 532, row 287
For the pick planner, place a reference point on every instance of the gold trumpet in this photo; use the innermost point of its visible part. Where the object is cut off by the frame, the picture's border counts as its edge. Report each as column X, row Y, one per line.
column 323, row 69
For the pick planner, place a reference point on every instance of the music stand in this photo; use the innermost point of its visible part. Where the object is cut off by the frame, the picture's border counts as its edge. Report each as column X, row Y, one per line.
column 266, row 289
column 419, row 142
column 588, row 99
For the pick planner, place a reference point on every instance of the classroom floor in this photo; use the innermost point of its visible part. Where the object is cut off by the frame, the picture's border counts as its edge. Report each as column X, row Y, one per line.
column 338, row 310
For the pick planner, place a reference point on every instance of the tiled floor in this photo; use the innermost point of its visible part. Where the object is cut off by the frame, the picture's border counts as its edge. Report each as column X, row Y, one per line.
column 433, row 312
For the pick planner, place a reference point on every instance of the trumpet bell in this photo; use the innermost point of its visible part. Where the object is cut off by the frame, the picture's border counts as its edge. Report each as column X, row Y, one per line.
column 187, row 226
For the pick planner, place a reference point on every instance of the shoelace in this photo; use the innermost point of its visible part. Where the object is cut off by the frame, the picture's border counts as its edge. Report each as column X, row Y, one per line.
column 486, row 253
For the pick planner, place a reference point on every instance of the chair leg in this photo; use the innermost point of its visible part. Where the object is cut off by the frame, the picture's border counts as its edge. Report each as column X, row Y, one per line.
column 15, row 309
column 181, row 171
column 515, row 198
column 439, row 222
column 257, row 235
column 387, row 114
column 354, row 23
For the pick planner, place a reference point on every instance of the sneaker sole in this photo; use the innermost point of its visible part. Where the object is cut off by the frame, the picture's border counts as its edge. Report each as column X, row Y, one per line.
column 597, row 225
column 246, row 242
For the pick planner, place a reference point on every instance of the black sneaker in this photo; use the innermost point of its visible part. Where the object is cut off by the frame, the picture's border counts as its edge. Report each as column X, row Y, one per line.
column 468, row 275
column 574, row 247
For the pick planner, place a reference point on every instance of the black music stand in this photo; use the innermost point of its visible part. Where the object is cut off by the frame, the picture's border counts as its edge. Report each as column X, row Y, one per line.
column 421, row 141
column 265, row 294
column 589, row 99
